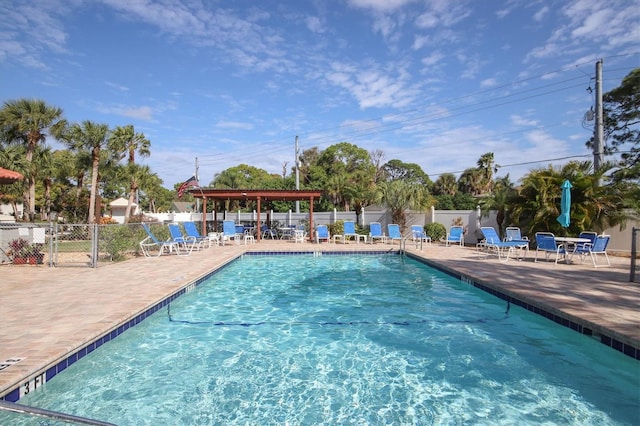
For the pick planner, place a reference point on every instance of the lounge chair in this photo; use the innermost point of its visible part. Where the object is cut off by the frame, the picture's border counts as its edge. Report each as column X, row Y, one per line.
column 229, row 232
column 151, row 242
column 546, row 243
column 512, row 233
column 394, row 233
column 503, row 249
column 192, row 231
column 418, row 235
column 599, row 246
column 322, row 233
column 455, row 236
column 348, row 231
column 185, row 242
column 375, row 232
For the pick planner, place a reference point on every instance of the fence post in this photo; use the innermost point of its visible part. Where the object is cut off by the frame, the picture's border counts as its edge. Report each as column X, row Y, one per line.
column 634, row 234
column 52, row 235
column 94, row 245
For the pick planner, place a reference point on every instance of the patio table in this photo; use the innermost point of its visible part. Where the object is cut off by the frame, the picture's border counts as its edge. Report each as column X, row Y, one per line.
column 570, row 245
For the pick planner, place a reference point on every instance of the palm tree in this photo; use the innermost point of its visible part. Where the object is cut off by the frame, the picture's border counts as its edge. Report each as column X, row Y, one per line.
column 12, row 157
column 337, row 187
column 445, row 185
column 470, row 181
column 124, row 141
column 92, row 137
column 486, row 165
column 140, row 177
column 44, row 163
column 27, row 122
column 498, row 199
column 593, row 206
column 398, row 196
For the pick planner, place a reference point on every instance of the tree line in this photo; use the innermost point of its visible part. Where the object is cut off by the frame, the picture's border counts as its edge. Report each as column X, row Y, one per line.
column 350, row 177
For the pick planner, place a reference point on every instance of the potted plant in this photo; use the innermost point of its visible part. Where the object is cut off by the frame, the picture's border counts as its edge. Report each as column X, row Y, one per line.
column 23, row 252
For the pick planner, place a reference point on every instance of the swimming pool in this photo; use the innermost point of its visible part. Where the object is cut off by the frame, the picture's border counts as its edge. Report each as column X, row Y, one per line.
column 345, row 340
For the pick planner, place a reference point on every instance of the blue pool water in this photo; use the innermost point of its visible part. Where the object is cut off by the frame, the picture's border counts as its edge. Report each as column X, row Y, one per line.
column 364, row 340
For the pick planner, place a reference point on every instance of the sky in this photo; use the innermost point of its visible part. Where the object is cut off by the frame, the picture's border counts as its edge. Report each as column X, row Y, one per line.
column 222, row 83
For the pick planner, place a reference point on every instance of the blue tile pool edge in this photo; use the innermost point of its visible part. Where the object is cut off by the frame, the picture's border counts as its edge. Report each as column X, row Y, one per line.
column 41, row 377
column 576, row 324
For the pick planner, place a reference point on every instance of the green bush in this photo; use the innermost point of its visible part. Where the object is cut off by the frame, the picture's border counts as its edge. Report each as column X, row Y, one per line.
column 117, row 240
column 436, row 231
column 336, row 228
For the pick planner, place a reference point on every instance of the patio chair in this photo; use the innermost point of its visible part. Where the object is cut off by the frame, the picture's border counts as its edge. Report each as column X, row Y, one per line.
column 546, row 243
column 192, row 231
column 322, row 233
column 348, row 231
column 299, row 235
column 375, row 232
column 503, row 249
column 229, row 232
column 599, row 246
column 151, row 241
column 185, row 242
column 418, row 234
column 455, row 236
column 512, row 233
column 394, row 233
column 267, row 232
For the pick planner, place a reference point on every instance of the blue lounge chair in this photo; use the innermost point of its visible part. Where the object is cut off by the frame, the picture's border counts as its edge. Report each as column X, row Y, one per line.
column 375, row 232
column 394, row 233
column 599, row 246
column 322, row 233
column 503, row 249
column 229, row 232
column 546, row 243
column 192, row 231
column 186, row 243
column 455, row 236
column 152, row 242
column 418, row 234
column 512, row 233
column 349, row 230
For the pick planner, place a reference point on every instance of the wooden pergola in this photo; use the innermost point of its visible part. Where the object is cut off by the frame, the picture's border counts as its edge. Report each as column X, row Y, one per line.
column 258, row 195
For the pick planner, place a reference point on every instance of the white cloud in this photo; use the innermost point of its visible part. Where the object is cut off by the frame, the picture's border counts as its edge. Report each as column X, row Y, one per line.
column 519, row 120
column 380, row 5
column 488, row 82
column 540, row 14
column 234, row 125
column 144, row 113
column 314, row 24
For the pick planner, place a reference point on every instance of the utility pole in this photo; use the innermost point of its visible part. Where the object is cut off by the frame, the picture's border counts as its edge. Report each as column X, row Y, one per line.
column 297, row 174
column 197, row 180
column 598, row 132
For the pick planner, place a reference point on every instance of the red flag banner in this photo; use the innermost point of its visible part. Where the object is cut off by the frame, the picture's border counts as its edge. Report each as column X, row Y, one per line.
column 192, row 181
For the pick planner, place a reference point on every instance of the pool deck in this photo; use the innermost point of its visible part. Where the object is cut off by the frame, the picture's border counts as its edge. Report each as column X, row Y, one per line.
column 48, row 313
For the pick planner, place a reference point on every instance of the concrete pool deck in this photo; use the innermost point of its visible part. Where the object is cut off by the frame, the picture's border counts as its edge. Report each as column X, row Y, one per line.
column 46, row 314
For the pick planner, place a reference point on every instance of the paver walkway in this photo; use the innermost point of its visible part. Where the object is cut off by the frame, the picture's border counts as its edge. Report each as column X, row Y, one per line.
column 47, row 313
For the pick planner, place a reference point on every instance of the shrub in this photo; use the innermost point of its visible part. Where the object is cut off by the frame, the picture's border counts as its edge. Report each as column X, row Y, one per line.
column 436, row 231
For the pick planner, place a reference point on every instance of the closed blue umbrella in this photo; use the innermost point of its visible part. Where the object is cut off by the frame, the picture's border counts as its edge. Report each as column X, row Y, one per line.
column 565, row 204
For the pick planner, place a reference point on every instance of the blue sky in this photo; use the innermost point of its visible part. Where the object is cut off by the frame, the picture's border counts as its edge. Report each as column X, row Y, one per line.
column 432, row 82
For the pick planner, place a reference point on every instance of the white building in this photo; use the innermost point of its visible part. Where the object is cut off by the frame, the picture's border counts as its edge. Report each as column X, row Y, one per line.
column 118, row 208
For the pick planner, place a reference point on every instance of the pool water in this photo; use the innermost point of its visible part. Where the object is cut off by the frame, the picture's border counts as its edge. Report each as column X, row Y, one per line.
column 366, row 340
